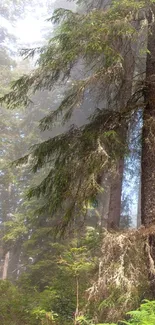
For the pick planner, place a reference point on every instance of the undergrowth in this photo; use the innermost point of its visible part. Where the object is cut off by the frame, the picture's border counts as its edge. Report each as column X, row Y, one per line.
column 145, row 315
column 126, row 266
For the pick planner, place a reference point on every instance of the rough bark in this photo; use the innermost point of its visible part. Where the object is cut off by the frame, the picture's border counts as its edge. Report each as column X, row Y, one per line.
column 139, row 207
column 124, row 96
column 115, row 197
column 148, row 133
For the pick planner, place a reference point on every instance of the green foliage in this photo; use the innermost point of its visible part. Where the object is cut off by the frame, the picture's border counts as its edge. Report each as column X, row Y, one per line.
column 50, row 276
column 34, row 308
column 77, row 261
column 99, row 41
column 83, row 320
column 14, row 306
column 43, row 315
column 69, row 185
column 145, row 315
column 19, row 307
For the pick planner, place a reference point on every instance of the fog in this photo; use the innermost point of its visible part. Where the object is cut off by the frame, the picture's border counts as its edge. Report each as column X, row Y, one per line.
column 24, row 24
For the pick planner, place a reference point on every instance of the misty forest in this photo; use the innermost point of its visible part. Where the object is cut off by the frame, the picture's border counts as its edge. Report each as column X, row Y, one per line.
column 77, row 162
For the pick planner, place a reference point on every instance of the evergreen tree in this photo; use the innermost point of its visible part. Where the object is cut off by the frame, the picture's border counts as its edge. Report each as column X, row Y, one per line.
column 148, row 183
column 72, row 168
column 78, row 157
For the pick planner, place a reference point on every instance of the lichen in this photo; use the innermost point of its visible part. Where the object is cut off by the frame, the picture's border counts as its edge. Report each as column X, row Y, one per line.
column 123, row 278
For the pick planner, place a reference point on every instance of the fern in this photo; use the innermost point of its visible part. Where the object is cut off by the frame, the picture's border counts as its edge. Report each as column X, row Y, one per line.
column 145, row 315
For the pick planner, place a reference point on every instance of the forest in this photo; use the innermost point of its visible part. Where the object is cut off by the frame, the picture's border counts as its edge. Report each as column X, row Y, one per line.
column 77, row 162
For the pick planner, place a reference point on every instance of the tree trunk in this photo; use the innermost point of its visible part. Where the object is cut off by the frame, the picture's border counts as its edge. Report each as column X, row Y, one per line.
column 139, row 207
column 5, row 267
column 77, row 300
column 7, row 214
column 125, row 94
column 115, row 197
column 13, row 267
column 148, row 133
column 102, row 209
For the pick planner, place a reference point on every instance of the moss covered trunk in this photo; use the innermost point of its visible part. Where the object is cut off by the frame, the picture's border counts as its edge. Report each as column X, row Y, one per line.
column 148, row 135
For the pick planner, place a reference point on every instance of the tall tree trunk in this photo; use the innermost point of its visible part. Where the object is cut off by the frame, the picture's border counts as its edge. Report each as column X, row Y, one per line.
column 139, row 207
column 7, row 254
column 148, row 134
column 77, row 301
column 125, row 94
column 115, row 197
column 101, row 212
column 13, row 267
column 5, row 267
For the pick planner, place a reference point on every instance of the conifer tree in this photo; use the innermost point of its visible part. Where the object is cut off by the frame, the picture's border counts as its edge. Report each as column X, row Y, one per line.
column 79, row 156
column 148, row 136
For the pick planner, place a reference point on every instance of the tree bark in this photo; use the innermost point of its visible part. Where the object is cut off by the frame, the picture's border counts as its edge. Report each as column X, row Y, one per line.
column 125, row 95
column 7, row 214
column 148, row 133
column 77, row 300
column 5, row 267
column 139, row 207
column 115, row 197
column 13, row 267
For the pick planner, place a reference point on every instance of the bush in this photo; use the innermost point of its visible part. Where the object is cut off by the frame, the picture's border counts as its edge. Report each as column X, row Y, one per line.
column 145, row 315
column 14, row 306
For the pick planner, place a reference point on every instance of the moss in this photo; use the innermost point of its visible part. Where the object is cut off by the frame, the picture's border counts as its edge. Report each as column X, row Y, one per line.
column 126, row 267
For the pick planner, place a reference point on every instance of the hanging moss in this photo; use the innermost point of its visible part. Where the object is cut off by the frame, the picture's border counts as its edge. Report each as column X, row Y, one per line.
column 125, row 275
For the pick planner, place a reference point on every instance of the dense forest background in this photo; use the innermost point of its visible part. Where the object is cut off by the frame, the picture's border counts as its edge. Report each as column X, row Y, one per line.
column 77, row 162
